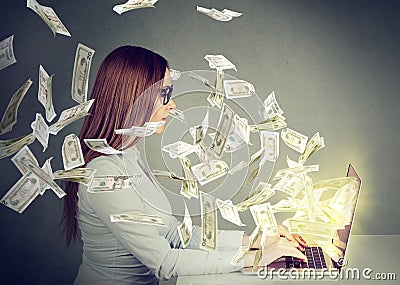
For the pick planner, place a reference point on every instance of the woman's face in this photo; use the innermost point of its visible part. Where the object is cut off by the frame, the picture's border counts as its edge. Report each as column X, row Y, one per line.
column 161, row 111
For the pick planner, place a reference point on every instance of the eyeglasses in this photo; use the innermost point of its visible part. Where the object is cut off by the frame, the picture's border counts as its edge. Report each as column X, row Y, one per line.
column 166, row 93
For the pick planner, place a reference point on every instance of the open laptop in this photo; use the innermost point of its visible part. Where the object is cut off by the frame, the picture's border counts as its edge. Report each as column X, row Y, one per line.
column 317, row 258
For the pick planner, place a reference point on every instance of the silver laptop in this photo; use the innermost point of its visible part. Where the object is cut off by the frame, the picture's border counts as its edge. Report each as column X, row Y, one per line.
column 317, row 258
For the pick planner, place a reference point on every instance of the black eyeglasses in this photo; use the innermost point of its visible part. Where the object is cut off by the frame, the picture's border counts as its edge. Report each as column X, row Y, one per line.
column 166, row 93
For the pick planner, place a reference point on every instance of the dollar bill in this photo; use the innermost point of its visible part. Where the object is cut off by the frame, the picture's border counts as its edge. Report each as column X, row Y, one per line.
column 189, row 185
column 220, row 168
column 201, row 79
column 336, row 218
column 49, row 17
column 46, row 167
column 41, row 131
column 111, row 183
column 291, row 184
column 257, row 258
column 72, row 155
column 236, row 88
column 177, row 114
column 101, row 145
column 45, row 96
column 197, row 134
column 219, row 62
column 263, row 216
column 294, row 140
column 80, row 75
column 344, row 201
column 7, row 56
column 233, row 143
column 223, row 129
column 216, row 97
column 79, row 175
column 12, row 146
column 239, row 255
column 147, row 130
column 253, row 175
column 132, row 5
column 315, row 144
column 215, row 14
column 44, row 177
column 288, row 204
column 22, row 194
column 269, row 126
column 10, row 116
column 243, row 164
column 231, row 13
column 270, row 144
column 242, row 128
column 309, row 194
column 138, row 219
column 179, row 149
column 167, row 174
column 204, row 156
column 209, row 226
column 260, row 194
column 229, row 212
column 334, row 183
column 70, row 115
column 175, row 74
column 185, row 228
column 311, row 228
column 296, row 170
column 271, row 106
column 24, row 154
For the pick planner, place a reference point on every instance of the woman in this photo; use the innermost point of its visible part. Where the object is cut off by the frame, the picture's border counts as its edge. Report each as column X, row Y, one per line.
column 132, row 87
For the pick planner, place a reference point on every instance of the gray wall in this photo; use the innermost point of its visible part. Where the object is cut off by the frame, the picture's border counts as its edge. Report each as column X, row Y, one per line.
column 334, row 66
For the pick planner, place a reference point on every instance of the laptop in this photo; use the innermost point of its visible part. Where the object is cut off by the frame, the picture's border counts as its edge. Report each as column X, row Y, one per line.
column 317, row 258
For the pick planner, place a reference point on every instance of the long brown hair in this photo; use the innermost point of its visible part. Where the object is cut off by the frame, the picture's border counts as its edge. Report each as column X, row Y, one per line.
column 126, row 86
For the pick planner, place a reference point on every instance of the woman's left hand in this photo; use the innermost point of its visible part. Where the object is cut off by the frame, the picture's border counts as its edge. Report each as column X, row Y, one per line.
column 296, row 239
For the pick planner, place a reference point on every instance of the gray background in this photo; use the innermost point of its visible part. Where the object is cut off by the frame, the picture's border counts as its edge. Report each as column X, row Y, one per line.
column 334, row 66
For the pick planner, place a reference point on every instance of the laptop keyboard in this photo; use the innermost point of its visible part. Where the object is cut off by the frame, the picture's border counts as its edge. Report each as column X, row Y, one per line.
column 315, row 259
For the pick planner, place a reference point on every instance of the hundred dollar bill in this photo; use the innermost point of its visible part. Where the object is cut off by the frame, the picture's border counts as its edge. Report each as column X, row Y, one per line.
column 229, row 212
column 263, row 216
column 238, row 89
column 179, row 149
column 177, row 114
column 220, row 168
column 7, row 56
column 311, row 228
column 215, row 14
column 216, row 97
column 203, row 80
column 291, row 184
column 80, row 75
column 294, row 139
column 22, row 194
column 79, row 175
column 49, row 17
column 242, row 128
column 72, row 155
column 101, row 145
column 24, row 154
column 110, row 183
column 239, row 255
column 185, row 228
column 296, row 170
column 44, row 177
column 137, row 218
column 70, row 115
column 45, row 96
column 41, row 131
column 10, row 116
column 270, row 144
column 315, row 144
column 262, row 193
column 223, row 129
column 175, row 74
column 11, row 146
column 209, row 226
column 167, row 174
column 219, row 62
column 189, row 185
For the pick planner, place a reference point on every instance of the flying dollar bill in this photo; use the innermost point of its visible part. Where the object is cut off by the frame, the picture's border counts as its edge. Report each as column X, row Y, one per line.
column 167, row 174
column 79, row 175
column 291, row 184
column 231, row 13
column 271, row 106
column 12, row 146
column 7, row 56
column 242, row 128
column 189, row 186
column 185, row 228
column 233, row 143
column 236, row 88
column 148, row 129
column 239, row 255
column 311, row 228
column 70, row 115
column 111, row 183
column 223, row 129
column 41, row 131
column 22, row 194
column 243, row 164
column 309, row 195
column 294, row 140
column 80, row 75
column 10, row 116
column 260, row 194
column 49, row 17
column 209, row 226
column 270, row 144
column 201, row 171
column 229, row 212
column 263, row 215
column 216, row 97
column 334, row 183
column 45, row 96
column 101, row 145
column 288, row 204
column 219, row 62
column 137, row 218
column 179, row 149
column 24, row 154
column 215, row 14
column 314, row 145
column 46, row 167
column 71, row 151
column 296, row 170
column 133, row 4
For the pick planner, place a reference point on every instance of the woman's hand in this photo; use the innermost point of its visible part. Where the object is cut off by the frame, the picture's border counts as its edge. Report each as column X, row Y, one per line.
column 295, row 239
